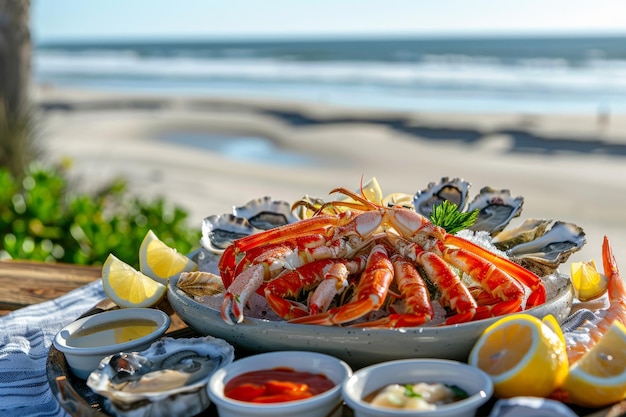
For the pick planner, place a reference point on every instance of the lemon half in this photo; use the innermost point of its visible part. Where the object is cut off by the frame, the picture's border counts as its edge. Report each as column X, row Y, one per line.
column 161, row 262
column 598, row 379
column 127, row 287
column 523, row 355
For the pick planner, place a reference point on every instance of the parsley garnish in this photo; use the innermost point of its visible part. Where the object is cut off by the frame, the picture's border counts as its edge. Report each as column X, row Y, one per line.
column 448, row 216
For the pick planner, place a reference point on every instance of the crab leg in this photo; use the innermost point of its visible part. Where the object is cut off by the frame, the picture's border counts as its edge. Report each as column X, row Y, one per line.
column 453, row 293
column 250, row 280
column 419, row 230
column 230, row 267
column 494, row 281
column 294, row 283
column 370, row 294
column 308, row 226
column 252, row 272
column 335, row 281
column 526, row 277
column 415, row 295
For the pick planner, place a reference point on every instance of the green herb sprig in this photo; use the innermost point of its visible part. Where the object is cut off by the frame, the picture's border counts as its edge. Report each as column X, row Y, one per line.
column 448, row 216
column 409, row 392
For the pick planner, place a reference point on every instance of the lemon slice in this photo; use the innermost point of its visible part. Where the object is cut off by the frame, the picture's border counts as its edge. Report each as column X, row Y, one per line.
column 598, row 379
column 127, row 287
column 524, row 356
column 160, row 262
column 588, row 283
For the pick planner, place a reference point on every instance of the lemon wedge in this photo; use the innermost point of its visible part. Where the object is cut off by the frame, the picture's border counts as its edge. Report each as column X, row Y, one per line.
column 161, row 262
column 127, row 287
column 598, row 379
column 588, row 283
column 372, row 191
column 523, row 355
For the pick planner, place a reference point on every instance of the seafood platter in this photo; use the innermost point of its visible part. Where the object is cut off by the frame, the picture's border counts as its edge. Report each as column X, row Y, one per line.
column 364, row 279
column 368, row 277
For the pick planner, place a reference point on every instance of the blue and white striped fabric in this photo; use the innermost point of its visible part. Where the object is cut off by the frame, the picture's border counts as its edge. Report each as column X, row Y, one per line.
column 25, row 339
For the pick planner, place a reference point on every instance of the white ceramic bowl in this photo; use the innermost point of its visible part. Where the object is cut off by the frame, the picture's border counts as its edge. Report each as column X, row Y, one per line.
column 85, row 342
column 365, row 381
column 359, row 347
column 321, row 405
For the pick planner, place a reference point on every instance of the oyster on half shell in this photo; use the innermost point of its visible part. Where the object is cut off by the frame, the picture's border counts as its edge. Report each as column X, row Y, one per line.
column 219, row 231
column 529, row 230
column 264, row 213
column 167, row 379
column 455, row 191
column 496, row 209
column 543, row 253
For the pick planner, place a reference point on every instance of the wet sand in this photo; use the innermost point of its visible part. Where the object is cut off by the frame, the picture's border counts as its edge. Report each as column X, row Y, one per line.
column 189, row 150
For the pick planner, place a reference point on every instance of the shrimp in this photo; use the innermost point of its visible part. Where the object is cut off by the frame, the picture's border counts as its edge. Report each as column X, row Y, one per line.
column 576, row 348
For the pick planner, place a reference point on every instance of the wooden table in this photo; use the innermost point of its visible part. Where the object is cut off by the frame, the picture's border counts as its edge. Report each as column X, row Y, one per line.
column 23, row 283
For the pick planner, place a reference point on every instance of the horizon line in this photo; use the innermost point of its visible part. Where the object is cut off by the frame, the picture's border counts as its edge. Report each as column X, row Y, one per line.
column 252, row 38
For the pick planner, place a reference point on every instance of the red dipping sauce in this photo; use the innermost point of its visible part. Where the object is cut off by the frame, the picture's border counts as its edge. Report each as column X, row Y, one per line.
column 276, row 385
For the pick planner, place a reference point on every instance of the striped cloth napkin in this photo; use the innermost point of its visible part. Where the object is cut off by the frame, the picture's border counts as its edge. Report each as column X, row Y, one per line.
column 25, row 339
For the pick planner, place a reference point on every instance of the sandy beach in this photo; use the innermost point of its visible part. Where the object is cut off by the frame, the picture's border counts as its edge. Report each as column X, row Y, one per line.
column 189, row 150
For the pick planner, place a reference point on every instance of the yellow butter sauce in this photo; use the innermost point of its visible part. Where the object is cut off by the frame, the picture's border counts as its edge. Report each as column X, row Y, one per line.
column 114, row 332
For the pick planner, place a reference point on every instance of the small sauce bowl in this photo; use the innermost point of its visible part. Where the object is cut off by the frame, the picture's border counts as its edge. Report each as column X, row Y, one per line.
column 85, row 342
column 366, row 381
column 321, row 405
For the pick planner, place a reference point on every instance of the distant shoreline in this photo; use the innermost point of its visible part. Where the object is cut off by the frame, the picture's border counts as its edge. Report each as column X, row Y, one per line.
column 600, row 133
column 364, row 37
column 560, row 165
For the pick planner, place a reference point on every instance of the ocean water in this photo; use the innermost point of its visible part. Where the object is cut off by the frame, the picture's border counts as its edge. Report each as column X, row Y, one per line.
column 533, row 74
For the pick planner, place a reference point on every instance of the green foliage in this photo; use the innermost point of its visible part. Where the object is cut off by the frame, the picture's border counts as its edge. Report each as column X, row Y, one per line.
column 42, row 219
column 451, row 219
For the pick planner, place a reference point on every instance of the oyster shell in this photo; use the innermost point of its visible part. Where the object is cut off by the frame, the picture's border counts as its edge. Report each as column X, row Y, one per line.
column 219, row 231
column 529, row 230
column 496, row 209
column 264, row 213
column 544, row 254
column 200, row 283
column 167, row 379
column 454, row 190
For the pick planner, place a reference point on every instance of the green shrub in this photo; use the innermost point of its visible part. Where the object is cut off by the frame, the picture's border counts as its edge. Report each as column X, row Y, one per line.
column 42, row 219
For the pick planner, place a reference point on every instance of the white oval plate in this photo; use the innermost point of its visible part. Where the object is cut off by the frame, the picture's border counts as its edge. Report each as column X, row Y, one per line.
column 358, row 347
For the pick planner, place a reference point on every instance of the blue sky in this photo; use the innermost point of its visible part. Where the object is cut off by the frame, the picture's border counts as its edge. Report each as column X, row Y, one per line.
column 151, row 19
